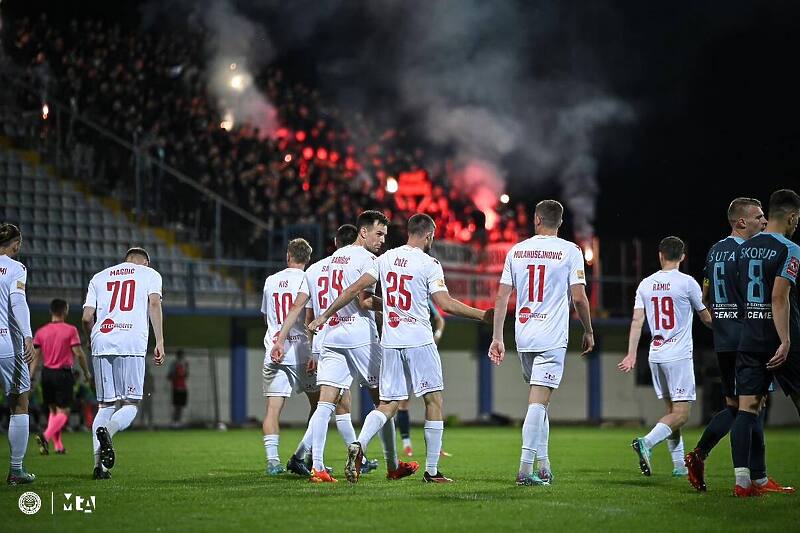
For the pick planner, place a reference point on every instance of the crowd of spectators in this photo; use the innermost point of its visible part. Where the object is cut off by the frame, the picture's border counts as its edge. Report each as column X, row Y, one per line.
column 150, row 89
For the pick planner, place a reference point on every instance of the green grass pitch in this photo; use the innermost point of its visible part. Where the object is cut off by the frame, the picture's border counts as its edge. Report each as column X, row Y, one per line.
column 206, row 481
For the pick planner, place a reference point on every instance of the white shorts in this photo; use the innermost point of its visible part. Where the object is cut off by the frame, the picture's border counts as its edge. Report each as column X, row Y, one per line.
column 118, row 377
column 14, row 375
column 338, row 367
column 674, row 381
column 283, row 380
column 407, row 370
column 543, row 368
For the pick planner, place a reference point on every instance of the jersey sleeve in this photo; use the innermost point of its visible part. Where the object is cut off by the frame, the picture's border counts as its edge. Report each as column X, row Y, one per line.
column 696, row 295
column 577, row 274
column 506, row 278
column 91, row 295
column 264, row 300
column 155, row 284
column 791, row 266
column 20, row 279
column 305, row 283
column 74, row 338
column 638, row 301
column 436, row 278
column 373, row 269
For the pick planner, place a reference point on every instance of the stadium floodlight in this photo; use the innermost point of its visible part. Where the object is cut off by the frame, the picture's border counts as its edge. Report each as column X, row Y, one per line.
column 504, row 198
column 391, row 185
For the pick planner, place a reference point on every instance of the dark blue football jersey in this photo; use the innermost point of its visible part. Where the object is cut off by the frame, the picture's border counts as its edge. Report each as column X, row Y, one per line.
column 727, row 306
column 761, row 260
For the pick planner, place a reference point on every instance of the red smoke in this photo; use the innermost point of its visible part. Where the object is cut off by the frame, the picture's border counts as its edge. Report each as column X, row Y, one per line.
column 483, row 184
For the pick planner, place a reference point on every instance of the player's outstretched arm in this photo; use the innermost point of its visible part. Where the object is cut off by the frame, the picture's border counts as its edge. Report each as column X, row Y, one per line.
column 581, row 304
column 450, row 305
column 347, row 296
column 628, row 363
column 497, row 350
column 157, row 320
column 276, row 354
column 780, row 316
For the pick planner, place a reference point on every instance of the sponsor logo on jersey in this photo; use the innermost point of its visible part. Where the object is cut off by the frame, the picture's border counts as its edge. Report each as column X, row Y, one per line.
column 394, row 319
column 109, row 325
column 526, row 314
column 3, row 331
column 659, row 341
column 794, row 266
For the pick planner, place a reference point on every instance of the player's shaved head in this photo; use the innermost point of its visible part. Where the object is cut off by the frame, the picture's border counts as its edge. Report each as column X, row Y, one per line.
column 137, row 252
column 671, row 248
column 346, row 235
column 550, row 212
column 782, row 203
column 299, row 251
column 420, row 225
column 739, row 207
column 370, row 218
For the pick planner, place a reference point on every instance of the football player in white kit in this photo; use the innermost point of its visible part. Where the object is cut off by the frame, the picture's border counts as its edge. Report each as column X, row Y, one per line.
column 668, row 299
column 314, row 302
column 350, row 347
column 295, row 371
column 547, row 272
column 16, row 349
column 119, row 301
column 410, row 362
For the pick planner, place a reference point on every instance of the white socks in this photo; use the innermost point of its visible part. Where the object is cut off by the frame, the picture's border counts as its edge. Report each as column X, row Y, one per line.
column 389, row 439
column 271, row 443
column 344, row 423
column 372, row 424
column 676, row 451
column 659, row 433
column 18, row 439
column 532, row 436
column 742, row 477
column 433, row 445
column 121, row 419
column 542, row 445
column 407, row 443
column 102, row 419
column 305, row 443
column 319, row 432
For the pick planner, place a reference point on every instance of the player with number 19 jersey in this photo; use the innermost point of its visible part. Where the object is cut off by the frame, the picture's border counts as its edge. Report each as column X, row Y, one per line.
column 668, row 299
column 119, row 295
column 541, row 269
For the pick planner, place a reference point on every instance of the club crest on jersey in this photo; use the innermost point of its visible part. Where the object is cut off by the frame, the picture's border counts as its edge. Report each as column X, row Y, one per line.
column 794, row 266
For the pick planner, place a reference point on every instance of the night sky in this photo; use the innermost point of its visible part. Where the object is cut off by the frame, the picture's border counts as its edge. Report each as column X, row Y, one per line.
column 713, row 85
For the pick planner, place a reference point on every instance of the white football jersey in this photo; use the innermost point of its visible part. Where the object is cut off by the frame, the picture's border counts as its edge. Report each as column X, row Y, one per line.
column 13, row 278
column 317, row 289
column 119, row 295
column 280, row 292
column 668, row 298
column 408, row 278
column 542, row 269
column 351, row 326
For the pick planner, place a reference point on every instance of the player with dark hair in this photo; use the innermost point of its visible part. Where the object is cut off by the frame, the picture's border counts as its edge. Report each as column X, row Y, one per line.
column 16, row 349
column 119, row 302
column 667, row 299
column 768, row 266
column 56, row 344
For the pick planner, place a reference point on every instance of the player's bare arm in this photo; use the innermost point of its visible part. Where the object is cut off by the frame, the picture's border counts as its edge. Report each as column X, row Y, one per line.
column 628, row 363
column 347, row 296
column 37, row 356
column 780, row 316
column 369, row 301
column 705, row 318
column 438, row 328
column 497, row 350
column 277, row 353
column 706, row 292
column 451, row 306
column 157, row 320
column 79, row 354
column 581, row 304
column 87, row 320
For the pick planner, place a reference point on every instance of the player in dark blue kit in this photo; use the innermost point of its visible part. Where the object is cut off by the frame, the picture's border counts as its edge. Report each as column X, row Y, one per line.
column 721, row 296
column 768, row 266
